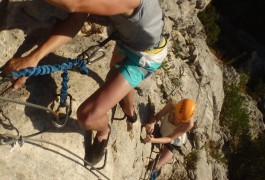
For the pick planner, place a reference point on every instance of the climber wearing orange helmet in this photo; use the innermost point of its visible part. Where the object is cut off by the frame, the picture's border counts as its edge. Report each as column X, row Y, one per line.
column 176, row 120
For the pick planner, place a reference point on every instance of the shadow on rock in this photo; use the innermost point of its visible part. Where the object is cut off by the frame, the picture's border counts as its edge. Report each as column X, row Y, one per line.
column 146, row 111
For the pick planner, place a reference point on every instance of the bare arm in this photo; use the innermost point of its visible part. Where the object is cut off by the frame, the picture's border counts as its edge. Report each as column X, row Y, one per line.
column 62, row 32
column 99, row 7
column 67, row 29
column 79, row 9
column 165, row 110
column 180, row 130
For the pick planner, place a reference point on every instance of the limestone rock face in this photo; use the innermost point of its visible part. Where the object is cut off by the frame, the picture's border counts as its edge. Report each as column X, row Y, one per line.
column 189, row 71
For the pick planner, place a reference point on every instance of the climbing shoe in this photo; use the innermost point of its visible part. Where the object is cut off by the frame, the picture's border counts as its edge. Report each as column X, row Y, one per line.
column 131, row 119
column 154, row 174
column 97, row 151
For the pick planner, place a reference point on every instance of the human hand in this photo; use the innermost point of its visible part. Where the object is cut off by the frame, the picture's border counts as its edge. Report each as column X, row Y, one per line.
column 150, row 128
column 148, row 139
column 16, row 64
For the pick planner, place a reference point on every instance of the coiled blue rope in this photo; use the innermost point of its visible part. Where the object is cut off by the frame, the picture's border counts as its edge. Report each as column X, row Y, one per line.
column 77, row 63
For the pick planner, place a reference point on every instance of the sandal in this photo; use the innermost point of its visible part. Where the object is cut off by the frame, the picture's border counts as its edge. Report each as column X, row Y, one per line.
column 97, row 151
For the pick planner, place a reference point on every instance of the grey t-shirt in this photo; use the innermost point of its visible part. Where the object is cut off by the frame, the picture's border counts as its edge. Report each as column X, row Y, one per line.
column 142, row 30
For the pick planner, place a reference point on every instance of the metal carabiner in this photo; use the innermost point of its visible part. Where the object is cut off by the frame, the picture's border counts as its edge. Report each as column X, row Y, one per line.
column 91, row 54
column 63, row 117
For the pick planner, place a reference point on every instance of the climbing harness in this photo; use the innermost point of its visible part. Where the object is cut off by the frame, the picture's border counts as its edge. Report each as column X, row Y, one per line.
column 91, row 55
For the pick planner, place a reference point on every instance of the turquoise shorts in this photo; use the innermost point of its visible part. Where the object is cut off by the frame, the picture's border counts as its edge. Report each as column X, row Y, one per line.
column 138, row 65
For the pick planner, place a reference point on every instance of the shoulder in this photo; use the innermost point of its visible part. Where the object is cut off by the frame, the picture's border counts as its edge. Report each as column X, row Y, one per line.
column 190, row 123
column 102, row 7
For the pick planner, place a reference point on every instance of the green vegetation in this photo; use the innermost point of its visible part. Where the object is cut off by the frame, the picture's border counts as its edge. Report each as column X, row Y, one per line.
column 213, row 148
column 248, row 160
column 244, row 78
column 242, row 16
column 176, row 48
column 234, row 116
column 192, row 160
column 175, row 79
column 245, row 156
column 165, row 67
column 208, row 18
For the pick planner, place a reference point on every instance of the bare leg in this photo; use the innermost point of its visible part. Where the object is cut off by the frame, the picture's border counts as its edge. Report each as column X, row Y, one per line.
column 166, row 155
column 116, row 57
column 128, row 100
column 92, row 113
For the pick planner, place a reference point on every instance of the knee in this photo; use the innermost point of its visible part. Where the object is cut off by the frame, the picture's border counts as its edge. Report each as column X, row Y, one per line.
column 84, row 118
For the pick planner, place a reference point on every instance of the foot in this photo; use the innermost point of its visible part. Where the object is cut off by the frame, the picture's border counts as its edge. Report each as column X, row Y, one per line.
column 154, row 174
column 97, row 150
column 132, row 118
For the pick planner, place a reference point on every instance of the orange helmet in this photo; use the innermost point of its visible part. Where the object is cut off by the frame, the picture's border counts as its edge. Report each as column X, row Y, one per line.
column 185, row 109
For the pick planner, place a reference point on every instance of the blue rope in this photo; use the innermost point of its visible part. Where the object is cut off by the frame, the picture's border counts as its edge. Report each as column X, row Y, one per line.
column 77, row 63
column 64, row 89
column 48, row 69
